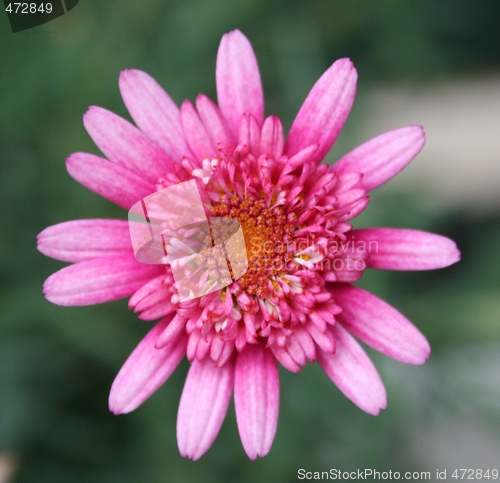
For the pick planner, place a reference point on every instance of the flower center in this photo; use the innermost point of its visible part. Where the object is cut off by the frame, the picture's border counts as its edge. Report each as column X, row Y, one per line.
column 267, row 232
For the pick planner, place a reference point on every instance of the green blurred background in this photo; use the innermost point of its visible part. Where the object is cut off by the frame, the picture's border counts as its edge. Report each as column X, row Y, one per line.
column 57, row 364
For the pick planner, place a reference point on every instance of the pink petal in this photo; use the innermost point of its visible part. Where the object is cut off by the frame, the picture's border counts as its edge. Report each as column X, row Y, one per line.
column 146, row 369
column 215, row 124
column 382, row 157
column 356, row 208
column 305, row 340
column 348, row 265
column 323, row 340
column 125, row 145
column 398, row 249
column 75, row 241
column 171, row 332
column 146, row 291
column 285, row 358
column 350, row 197
column 272, row 138
column 354, row 373
column 303, row 156
column 325, row 110
column 197, row 136
column 154, row 112
column 249, row 133
column 157, row 311
column 109, row 180
column 98, row 280
column 153, row 299
column 239, row 88
column 296, row 351
column 203, row 406
column 379, row 325
column 256, row 399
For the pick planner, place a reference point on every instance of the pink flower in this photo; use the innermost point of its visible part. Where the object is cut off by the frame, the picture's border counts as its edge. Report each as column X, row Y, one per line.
column 295, row 303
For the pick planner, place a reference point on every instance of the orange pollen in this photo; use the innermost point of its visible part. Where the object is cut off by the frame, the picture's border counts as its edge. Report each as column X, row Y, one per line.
column 267, row 232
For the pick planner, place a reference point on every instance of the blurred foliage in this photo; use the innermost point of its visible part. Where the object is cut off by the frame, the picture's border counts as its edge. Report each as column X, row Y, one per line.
column 57, row 364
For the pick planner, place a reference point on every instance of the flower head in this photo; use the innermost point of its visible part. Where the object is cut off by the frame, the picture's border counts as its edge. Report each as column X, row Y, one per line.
column 295, row 302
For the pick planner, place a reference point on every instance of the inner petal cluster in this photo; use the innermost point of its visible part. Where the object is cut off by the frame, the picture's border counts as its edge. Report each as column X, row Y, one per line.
column 290, row 209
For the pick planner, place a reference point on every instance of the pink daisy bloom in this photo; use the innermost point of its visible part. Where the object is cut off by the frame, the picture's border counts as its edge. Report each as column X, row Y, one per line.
column 295, row 302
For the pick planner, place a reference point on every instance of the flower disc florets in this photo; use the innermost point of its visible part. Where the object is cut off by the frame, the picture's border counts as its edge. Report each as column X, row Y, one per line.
column 266, row 232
